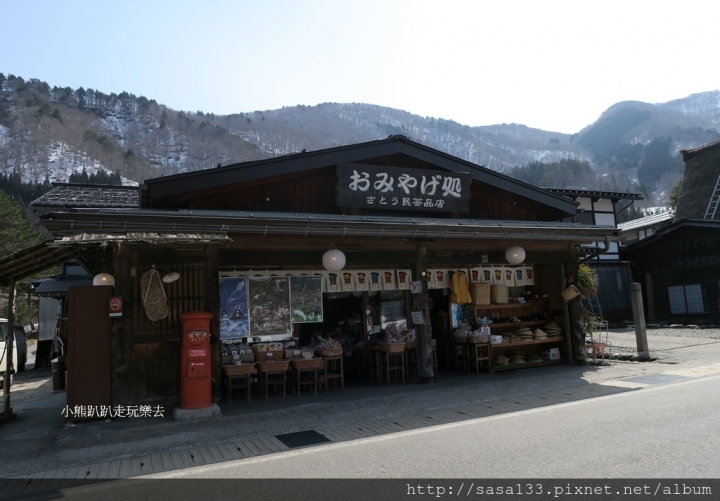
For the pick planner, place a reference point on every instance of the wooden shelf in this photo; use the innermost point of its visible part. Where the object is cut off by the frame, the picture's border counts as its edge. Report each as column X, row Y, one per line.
column 528, row 343
column 522, row 323
column 528, row 365
column 509, row 305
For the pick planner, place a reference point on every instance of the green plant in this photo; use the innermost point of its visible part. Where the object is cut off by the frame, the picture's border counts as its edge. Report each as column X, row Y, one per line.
column 587, row 280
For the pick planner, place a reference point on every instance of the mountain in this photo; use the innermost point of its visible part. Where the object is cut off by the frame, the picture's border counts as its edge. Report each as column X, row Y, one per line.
column 48, row 133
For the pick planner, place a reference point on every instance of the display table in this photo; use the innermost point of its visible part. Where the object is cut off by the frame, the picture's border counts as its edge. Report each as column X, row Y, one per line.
column 304, row 372
column 238, row 377
column 272, row 374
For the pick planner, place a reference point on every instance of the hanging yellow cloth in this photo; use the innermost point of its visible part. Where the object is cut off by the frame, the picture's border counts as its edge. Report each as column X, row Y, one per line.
column 460, row 288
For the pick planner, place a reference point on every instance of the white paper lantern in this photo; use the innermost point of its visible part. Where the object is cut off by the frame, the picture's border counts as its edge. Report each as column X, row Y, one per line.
column 515, row 254
column 333, row 260
column 104, row 279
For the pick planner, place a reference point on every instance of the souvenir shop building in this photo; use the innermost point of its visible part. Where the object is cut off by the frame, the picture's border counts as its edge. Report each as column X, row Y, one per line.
column 250, row 243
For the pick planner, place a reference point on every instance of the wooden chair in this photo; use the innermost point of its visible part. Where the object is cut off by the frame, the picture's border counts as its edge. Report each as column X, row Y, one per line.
column 393, row 364
column 477, row 355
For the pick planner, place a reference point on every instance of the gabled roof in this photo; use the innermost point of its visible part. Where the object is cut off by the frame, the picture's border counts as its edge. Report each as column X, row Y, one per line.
column 710, row 224
column 613, row 195
column 89, row 195
column 295, row 163
column 644, row 222
column 687, row 154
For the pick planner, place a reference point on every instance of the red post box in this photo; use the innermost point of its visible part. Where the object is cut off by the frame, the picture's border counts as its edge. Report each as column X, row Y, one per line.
column 195, row 368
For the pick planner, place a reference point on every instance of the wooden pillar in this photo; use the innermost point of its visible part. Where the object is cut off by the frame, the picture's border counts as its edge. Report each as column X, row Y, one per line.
column 652, row 317
column 424, row 330
column 639, row 320
column 7, row 409
column 122, row 329
column 574, row 320
column 212, row 304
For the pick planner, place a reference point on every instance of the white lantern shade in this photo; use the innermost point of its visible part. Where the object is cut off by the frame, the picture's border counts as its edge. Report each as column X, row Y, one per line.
column 104, row 279
column 515, row 254
column 333, row 260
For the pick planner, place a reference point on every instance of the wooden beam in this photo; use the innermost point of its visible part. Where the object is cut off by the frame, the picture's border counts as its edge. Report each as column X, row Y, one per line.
column 121, row 328
column 7, row 409
column 423, row 331
column 212, row 304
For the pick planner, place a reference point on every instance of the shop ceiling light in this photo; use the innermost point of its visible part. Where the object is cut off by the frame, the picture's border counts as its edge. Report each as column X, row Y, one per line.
column 334, row 259
column 104, row 279
column 515, row 254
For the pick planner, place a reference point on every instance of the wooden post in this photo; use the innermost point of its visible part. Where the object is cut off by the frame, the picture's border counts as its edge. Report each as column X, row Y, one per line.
column 639, row 319
column 212, row 303
column 652, row 317
column 7, row 409
column 423, row 331
column 121, row 330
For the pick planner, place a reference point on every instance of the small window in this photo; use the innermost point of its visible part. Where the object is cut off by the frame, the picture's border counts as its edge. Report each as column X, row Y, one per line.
column 686, row 299
column 3, row 332
column 648, row 232
column 641, row 234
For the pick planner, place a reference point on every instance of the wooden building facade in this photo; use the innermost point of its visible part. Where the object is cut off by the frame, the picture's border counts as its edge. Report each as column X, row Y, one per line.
column 283, row 214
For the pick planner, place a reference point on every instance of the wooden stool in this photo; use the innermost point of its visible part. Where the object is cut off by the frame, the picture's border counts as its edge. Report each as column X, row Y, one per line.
column 460, row 355
column 393, row 363
column 308, row 367
column 272, row 374
column 242, row 374
column 333, row 371
column 478, row 354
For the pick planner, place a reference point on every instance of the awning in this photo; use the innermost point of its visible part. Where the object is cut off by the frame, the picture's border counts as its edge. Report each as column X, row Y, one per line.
column 33, row 260
column 142, row 237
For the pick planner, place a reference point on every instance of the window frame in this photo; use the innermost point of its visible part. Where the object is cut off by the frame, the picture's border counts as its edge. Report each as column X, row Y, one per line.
column 673, row 297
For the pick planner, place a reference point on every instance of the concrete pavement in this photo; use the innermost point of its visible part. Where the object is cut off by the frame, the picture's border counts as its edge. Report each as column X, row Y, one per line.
column 40, row 445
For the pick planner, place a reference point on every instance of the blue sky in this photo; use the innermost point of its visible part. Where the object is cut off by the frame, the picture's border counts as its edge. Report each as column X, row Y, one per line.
column 553, row 65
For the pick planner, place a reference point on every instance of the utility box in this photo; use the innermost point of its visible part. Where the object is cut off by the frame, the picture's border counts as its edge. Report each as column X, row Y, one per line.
column 196, row 373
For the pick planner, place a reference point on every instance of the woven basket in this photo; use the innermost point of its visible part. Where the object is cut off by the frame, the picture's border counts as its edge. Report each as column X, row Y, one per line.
column 330, row 352
column 392, row 347
column 153, row 295
column 279, row 365
column 238, row 370
column 301, row 363
column 499, row 294
column 262, row 356
column 476, row 339
column 460, row 339
column 480, row 294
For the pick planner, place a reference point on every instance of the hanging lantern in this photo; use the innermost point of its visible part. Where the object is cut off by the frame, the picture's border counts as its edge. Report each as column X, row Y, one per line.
column 334, row 259
column 515, row 254
column 104, row 279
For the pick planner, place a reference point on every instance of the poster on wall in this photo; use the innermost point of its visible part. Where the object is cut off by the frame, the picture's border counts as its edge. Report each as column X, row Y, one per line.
column 234, row 321
column 388, row 279
column 348, row 281
column 497, row 275
column 509, row 276
column 529, row 274
column 486, row 273
column 375, row 281
column 362, row 280
column 475, row 276
column 306, row 299
column 519, row 273
column 332, row 281
column 269, row 304
column 404, row 278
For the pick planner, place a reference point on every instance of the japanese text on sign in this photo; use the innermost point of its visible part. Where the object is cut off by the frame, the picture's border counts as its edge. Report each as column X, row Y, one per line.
column 402, row 189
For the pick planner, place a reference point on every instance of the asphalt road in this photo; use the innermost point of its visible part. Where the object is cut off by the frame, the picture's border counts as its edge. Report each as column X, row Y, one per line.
column 670, row 430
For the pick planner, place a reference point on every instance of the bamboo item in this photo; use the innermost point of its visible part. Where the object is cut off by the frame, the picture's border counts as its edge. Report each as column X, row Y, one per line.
column 153, row 295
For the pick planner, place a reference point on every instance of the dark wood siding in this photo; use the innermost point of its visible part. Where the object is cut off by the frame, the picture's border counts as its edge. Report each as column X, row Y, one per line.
column 686, row 256
column 314, row 191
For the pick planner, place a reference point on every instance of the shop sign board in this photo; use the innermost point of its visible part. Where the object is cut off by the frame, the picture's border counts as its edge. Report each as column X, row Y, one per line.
column 398, row 188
